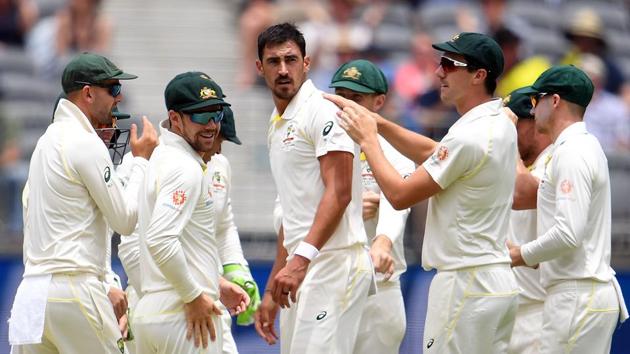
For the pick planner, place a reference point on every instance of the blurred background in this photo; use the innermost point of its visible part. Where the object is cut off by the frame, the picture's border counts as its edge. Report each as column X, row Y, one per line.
column 157, row 39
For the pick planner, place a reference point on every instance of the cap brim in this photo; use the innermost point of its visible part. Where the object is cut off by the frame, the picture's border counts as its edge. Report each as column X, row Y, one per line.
column 446, row 47
column 351, row 86
column 235, row 140
column 124, row 76
column 529, row 90
column 204, row 104
column 120, row 115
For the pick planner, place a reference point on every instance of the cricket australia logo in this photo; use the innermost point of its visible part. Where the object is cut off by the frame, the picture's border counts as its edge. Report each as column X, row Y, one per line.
column 217, row 181
column 288, row 142
column 351, row 73
column 206, row 93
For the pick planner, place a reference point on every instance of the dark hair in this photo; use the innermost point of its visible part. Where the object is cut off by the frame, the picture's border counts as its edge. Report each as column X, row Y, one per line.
column 278, row 34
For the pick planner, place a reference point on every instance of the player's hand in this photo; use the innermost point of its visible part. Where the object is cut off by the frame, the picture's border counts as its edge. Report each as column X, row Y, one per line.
column 199, row 319
column 118, row 298
column 381, row 254
column 241, row 276
column 123, row 326
column 233, row 297
column 265, row 318
column 356, row 120
column 515, row 255
column 371, row 201
column 144, row 145
column 288, row 280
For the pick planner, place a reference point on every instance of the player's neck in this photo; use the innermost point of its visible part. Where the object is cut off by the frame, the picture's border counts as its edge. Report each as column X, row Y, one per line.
column 470, row 102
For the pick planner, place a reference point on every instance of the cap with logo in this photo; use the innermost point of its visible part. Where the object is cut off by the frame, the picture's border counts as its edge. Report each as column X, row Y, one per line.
column 569, row 82
column 360, row 76
column 480, row 51
column 92, row 69
column 192, row 91
column 228, row 126
column 520, row 103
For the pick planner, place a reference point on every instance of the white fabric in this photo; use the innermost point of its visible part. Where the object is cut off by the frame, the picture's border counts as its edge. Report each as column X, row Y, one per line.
column 623, row 310
column 73, row 195
column 522, row 230
column 580, row 317
column 26, row 324
column 527, row 328
column 230, row 249
column 79, row 319
column 475, row 165
column 573, row 212
column 388, row 221
column 383, row 323
column 160, row 326
column 178, row 248
column 229, row 345
column 330, row 303
column 307, row 130
column 471, row 310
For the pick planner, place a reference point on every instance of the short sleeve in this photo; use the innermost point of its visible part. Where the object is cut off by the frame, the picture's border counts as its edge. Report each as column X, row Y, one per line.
column 454, row 157
column 326, row 133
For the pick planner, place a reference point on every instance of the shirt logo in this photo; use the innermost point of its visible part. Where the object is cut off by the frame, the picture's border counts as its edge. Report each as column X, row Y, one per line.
column 217, row 181
column 351, row 73
column 442, row 153
column 206, row 93
column 327, row 127
column 320, row 316
column 107, row 174
column 430, row 343
column 179, row 197
column 566, row 187
column 288, row 142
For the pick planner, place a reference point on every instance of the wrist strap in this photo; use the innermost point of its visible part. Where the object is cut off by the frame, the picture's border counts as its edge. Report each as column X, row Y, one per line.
column 306, row 250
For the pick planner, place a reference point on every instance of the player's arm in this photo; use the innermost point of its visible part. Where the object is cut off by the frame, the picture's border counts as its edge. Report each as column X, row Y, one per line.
column 266, row 314
column 525, row 188
column 573, row 198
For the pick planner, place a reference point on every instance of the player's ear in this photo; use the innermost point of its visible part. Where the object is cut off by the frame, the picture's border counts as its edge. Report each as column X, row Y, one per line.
column 379, row 102
column 307, row 63
column 259, row 67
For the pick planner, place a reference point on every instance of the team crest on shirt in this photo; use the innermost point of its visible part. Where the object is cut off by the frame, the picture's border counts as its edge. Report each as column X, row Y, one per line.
column 179, row 197
column 566, row 187
column 218, row 182
column 442, row 153
column 288, row 142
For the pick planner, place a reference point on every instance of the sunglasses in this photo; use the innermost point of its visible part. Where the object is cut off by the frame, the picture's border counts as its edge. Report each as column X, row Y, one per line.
column 536, row 98
column 113, row 89
column 449, row 64
column 204, row 118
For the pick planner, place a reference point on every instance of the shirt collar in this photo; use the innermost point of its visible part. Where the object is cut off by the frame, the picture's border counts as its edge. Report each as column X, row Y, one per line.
column 171, row 139
column 69, row 112
column 490, row 108
column 304, row 93
column 576, row 128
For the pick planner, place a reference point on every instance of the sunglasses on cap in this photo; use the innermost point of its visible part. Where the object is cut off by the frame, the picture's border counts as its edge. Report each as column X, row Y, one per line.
column 449, row 64
column 114, row 89
column 204, row 118
column 536, row 98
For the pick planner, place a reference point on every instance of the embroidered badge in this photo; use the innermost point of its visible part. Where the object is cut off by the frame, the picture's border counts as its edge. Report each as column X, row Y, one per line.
column 179, row 197
column 206, row 93
column 442, row 153
column 351, row 73
column 566, row 187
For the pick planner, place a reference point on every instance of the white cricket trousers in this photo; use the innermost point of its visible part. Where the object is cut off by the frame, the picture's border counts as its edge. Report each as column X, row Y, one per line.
column 471, row 310
column 79, row 319
column 329, row 305
column 527, row 328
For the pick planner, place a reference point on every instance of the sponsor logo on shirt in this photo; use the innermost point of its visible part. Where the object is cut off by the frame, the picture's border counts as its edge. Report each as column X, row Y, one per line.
column 107, row 174
column 320, row 316
column 327, row 127
column 430, row 343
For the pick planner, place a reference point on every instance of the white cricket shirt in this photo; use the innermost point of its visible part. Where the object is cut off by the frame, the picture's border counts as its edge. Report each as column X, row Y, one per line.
column 73, row 195
column 388, row 221
column 178, row 248
column 523, row 230
column 475, row 165
column 307, row 130
column 573, row 212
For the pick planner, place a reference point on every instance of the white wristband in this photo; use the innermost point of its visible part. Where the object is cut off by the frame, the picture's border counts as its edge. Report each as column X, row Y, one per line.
column 306, row 250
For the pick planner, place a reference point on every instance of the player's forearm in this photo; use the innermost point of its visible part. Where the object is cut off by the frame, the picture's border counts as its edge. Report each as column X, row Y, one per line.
column 552, row 244
column 176, row 271
column 388, row 179
column 525, row 188
column 329, row 212
column 391, row 222
column 229, row 244
column 414, row 146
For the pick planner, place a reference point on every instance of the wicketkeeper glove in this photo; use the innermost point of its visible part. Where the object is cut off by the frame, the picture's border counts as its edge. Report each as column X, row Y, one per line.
column 241, row 276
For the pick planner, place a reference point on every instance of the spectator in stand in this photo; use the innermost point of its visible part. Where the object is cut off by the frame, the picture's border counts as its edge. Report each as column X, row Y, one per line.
column 416, row 75
column 16, row 19
column 607, row 116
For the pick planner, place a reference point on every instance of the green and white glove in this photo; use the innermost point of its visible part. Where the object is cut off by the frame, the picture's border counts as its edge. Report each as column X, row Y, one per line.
column 241, row 276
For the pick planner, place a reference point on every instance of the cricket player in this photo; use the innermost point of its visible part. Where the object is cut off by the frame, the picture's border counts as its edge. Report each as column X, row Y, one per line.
column 179, row 259
column 322, row 273
column 72, row 195
column 584, row 301
column 383, row 324
column 469, row 177
column 534, row 149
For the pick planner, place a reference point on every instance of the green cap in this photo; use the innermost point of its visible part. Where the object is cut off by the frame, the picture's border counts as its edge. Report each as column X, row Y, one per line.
column 480, row 51
column 90, row 68
column 571, row 83
column 520, row 103
column 191, row 91
column 360, row 76
column 228, row 126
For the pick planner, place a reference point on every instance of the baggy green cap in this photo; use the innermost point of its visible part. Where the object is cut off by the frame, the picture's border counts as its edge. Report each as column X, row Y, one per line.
column 228, row 126
column 571, row 83
column 360, row 76
column 191, row 91
column 115, row 112
column 91, row 68
column 520, row 103
column 480, row 51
